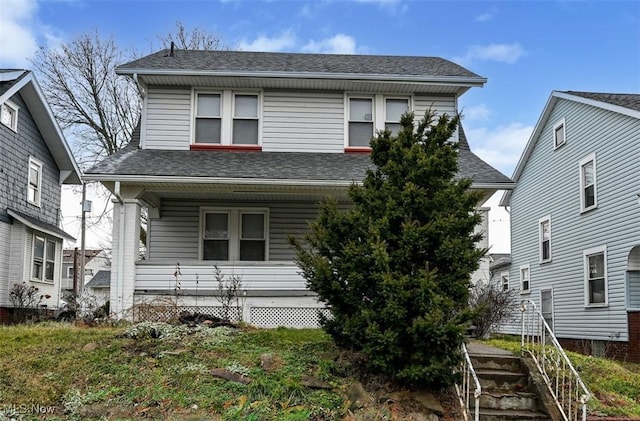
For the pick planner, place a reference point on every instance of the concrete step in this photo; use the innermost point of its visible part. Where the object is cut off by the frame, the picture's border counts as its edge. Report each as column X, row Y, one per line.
column 522, row 401
column 503, row 380
column 497, row 362
column 511, row 415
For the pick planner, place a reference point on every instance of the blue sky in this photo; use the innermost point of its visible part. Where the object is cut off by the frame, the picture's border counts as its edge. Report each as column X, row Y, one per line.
column 525, row 49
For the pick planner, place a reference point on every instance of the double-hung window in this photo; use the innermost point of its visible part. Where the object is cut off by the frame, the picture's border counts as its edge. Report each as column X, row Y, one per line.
column 360, row 121
column 544, row 228
column 559, row 135
column 44, row 257
column 588, row 187
column 34, row 188
column 9, row 115
column 394, row 108
column 226, row 118
column 234, row 234
column 595, row 275
column 525, row 279
column 368, row 114
column 504, row 281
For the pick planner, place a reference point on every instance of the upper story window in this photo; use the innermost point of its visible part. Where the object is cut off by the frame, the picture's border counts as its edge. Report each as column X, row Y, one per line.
column 234, row 234
column 559, row 135
column 44, row 257
column 588, row 187
column 525, row 279
column 366, row 114
column 504, row 281
column 9, row 115
column 227, row 118
column 34, row 188
column 544, row 232
column 595, row 276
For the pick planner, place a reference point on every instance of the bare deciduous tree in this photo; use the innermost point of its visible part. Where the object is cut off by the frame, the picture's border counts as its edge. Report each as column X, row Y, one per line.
column 196, row 39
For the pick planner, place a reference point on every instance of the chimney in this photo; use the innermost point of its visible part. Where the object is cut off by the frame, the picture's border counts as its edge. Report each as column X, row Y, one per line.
column 173, row 45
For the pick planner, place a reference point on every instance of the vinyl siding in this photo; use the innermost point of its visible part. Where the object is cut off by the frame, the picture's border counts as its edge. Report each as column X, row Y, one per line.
column 549, row 185
column 168, row 118
column 175, row 236
column 634, row 289
column 5, row 242
column 303, row 122
column 440, row 104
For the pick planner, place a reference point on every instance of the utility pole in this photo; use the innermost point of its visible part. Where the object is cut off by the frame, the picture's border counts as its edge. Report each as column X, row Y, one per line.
column 86, row 207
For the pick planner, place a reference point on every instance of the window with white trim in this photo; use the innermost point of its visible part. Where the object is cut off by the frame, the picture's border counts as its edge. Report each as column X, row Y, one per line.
column 34, row 187
column 504, row 281
column 544, row 233
column 595, row 276
column 366, row 114
column 393, row 110
column 70, row 272
column 559, row 134
column 226, row 118
column 234, row 234
column 360, row 121
column 9, row 115
column 44, row 259
column 525, row 278
column 588, row 186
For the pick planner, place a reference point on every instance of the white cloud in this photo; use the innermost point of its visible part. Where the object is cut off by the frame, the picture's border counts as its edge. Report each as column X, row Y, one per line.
column 476, row 112
column 286, row 40
column 339, row 44
column 486, row 16
column 502, row 146
column 505, row 53
column 16, row 33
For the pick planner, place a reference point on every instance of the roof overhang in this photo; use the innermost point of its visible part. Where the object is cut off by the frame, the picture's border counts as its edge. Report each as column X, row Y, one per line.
column 44, row 227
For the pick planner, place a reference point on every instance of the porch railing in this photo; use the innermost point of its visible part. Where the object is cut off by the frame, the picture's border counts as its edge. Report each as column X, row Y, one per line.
column 469, row 382
column 564, row 383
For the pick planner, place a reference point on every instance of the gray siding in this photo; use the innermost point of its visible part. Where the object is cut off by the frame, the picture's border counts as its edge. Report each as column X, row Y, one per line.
column 175, row 236
column 5, row 238
column 168, row 118
column 549, row 185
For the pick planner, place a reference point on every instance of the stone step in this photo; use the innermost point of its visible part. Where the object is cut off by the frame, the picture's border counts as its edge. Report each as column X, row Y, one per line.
column 511, row 415
column 523, row 401
column 497, row 362
column 503, row 380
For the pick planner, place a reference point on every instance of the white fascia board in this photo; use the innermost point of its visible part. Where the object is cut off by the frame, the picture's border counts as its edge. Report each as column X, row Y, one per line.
column 212, row 180
column 12, row 75
column 495, row 186
column 16, row 88
column 600, row 104
column 457, row 80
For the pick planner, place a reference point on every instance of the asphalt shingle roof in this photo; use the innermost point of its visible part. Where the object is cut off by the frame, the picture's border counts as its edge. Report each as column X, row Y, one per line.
column 246, row 61
column 102, row 279
column 5, row 86
column 41, row 224
column 631, row 101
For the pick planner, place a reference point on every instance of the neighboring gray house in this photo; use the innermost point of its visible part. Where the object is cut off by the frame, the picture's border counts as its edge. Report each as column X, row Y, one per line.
column 575, row 221
column 35, row 161
column 99, row 286
column 234, row 152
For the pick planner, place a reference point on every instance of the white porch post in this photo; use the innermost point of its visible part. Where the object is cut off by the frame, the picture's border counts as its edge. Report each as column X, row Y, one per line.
column 125, row 251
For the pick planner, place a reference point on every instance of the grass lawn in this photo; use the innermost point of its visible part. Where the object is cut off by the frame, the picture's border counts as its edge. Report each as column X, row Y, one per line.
column 615, row 386
column 69, row 372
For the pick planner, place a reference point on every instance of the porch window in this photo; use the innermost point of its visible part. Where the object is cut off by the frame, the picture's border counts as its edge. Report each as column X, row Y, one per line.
column 544, row 229
column 595, row 274
column 588, row 189
column 234, row 234
column 34, row 190
column 44, row 257
column 525, row 279
column 394, row 108
column 208, row 118
column 559, row 136
column 360, row 121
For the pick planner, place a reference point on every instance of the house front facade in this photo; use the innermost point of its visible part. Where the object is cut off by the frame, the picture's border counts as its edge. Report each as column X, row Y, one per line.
column 35, row 161
column 575, row 221
column 234, row 152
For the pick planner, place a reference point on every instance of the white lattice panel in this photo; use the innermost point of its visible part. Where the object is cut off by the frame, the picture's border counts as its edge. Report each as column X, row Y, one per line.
column 297, row 317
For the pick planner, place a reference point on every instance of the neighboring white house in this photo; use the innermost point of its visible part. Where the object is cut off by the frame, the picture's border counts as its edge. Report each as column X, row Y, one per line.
column 95, row 261
column 100, row 286
column 233, row 154
column 575, row 221
column 35, row 161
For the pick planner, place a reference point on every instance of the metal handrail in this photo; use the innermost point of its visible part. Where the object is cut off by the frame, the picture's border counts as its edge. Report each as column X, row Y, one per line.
column 464, row 391
column 562, row 379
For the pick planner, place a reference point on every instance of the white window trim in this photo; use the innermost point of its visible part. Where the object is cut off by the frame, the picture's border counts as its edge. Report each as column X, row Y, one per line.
column 70, row 272
column 379, row 111
column 503, row 276
column 528, row 268
column 227, row 103
column 584, row 161
column 46, row 240
column 585, row 257
column 33, row 162
column 540, row 239
column 234, row 229
column 553, row 134
column 553, row 309
column 14, row 108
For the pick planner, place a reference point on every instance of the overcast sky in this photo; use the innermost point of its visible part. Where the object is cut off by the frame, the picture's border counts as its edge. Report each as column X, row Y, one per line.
column 525, row 49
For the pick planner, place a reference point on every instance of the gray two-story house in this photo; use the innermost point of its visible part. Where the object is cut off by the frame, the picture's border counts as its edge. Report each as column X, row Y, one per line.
column 35, row 161
column 575, row 221
column 234, row 152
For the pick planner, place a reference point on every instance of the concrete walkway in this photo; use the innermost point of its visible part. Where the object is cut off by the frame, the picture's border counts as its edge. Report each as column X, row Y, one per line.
column 478, row 348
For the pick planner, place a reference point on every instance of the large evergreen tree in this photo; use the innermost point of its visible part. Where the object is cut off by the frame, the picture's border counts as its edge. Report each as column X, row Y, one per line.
column 395, row 268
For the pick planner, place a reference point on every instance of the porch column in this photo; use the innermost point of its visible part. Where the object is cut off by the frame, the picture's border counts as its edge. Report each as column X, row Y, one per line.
column 125, row 253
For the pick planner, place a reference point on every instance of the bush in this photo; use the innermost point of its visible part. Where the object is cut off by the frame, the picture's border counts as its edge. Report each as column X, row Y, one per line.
column 394, row 270
column 491, row 307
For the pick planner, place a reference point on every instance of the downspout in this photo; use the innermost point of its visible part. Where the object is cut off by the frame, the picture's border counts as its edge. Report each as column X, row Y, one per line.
column 120, row 268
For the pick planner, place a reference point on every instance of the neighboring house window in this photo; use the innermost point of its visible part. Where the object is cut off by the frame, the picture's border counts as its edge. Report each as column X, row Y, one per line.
column 88, row 272
column 588, row 187
column 595, row 275
column 504, row 280
column 544, row 228
column 34, row 190
column 394, row 108
column 234, row 234
column 227, row 118
column 525, row 278
column 70, row 272
column 9, row 115
column 44, row 256
column 360, row 121
column 559, row 135
column 546, row 306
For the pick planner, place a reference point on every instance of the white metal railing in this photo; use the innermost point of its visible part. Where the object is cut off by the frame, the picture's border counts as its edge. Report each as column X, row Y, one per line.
column 464, row 391
column 562, row 379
